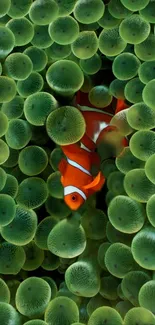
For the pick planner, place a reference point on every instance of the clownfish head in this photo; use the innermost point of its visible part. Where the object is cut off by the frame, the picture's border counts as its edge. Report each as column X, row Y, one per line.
column 74, row 197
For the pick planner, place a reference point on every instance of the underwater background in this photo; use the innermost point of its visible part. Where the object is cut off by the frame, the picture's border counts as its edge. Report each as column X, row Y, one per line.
column 93, row 265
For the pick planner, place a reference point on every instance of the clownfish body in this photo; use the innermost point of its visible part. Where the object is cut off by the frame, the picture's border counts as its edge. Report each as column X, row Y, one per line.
column 98, row 123
column 77, row 180
column 76, row 177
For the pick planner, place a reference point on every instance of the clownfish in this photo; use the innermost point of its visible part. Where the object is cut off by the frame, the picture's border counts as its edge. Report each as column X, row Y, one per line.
column 77, row 180
column 76, row 177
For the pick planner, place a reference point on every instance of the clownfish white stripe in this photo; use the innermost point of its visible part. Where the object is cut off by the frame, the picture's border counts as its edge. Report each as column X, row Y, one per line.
column 102, row 125
column 84, row 147
column 71, row 189
column 75, row 164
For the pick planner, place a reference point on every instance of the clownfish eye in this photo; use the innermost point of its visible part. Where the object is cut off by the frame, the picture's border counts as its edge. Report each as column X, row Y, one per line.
column 74, row 198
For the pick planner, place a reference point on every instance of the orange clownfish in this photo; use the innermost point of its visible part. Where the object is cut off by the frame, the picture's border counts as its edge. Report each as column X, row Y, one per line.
column 76, row 177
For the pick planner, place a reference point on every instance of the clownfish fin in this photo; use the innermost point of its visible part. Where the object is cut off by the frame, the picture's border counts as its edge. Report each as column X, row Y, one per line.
column 120, row 105
column 96, row 184
column 62, row 166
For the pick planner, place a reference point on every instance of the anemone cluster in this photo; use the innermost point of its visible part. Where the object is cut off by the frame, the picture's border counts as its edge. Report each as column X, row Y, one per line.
column 94, row 266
